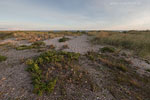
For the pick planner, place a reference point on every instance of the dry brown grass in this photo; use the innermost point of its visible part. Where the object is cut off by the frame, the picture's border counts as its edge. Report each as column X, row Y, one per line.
column 33, row 36
column 138, row 41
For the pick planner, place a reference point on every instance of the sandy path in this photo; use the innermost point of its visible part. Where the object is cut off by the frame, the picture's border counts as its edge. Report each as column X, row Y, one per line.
column 77, row 44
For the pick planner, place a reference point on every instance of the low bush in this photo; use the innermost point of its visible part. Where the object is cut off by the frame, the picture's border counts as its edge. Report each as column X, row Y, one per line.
column 63, row 39
column 2, row 58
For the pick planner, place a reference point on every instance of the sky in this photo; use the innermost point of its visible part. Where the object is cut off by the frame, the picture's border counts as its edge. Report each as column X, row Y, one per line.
column 74, row 14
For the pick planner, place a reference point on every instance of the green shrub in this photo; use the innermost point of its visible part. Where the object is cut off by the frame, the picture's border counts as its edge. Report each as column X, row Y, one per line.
column 54, row 69
column 63, row 39
column 35, row 68
column 107, row 49
column 2, row 58
column 29, row 62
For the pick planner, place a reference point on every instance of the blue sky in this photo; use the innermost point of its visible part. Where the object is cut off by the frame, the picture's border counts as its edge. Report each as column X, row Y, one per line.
column 74, row 14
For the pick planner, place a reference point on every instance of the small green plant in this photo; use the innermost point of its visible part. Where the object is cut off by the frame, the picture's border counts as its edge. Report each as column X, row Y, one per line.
column 63, row 39
column 29, row 62
column 2, row 58
column 107, row 49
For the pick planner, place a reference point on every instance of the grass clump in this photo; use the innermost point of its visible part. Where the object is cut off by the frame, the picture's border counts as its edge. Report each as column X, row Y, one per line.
column 55, row 71
column 34, row 45
column 113, row 63
column 107, row 49
column 2, row 58
column 91, row 55
column 63, row 39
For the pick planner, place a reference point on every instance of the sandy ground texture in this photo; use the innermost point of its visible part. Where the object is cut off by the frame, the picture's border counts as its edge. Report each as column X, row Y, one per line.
column 15, row 82
column 78, row 44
